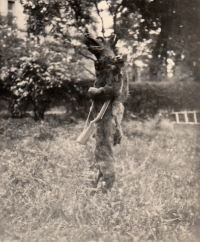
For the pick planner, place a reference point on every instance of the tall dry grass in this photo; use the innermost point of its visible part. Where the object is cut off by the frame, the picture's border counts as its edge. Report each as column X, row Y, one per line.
column 46, row 193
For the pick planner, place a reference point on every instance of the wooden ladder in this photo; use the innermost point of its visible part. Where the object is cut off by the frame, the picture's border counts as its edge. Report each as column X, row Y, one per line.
column 187, row 117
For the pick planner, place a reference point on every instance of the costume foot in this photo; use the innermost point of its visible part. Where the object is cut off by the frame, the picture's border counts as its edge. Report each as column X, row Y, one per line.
column 96, row 181
column 117, row 138
column 109, row 181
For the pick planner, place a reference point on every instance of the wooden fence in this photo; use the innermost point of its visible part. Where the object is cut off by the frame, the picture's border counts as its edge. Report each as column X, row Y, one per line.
column 187, row 117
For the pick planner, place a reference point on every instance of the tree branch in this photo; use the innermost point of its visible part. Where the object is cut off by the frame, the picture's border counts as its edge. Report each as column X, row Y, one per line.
column 102, row 22
column 81, row 53
column 109, row 8
column 115, row 19
column 89, row 71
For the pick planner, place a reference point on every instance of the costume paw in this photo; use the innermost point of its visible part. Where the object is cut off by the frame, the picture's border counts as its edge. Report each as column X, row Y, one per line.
column 93, row 91
column 117, row 137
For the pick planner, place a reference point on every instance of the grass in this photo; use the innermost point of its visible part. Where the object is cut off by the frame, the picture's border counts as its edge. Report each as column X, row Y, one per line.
column 46, row 194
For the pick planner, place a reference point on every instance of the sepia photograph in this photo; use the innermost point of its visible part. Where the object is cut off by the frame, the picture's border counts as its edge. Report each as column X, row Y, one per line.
column 99, row 120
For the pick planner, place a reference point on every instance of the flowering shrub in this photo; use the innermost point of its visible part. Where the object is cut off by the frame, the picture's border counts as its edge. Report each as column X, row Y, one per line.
column 31, row 80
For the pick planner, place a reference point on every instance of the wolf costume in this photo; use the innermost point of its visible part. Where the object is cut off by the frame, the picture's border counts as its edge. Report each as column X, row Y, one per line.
column 111, row 84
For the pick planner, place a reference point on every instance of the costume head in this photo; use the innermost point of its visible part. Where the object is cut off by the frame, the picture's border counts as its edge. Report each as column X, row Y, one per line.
column 100, row 46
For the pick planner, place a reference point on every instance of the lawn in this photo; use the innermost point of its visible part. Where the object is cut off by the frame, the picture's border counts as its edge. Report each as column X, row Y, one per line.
column 46, row 193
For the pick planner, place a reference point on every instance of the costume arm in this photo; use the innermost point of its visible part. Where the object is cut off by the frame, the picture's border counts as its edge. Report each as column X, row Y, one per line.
column 111, row 76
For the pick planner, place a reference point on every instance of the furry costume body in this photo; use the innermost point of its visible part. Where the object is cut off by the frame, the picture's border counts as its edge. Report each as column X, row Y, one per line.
column 111, row 84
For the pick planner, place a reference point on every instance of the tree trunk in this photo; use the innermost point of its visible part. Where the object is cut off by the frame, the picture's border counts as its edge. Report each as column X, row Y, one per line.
column 159, row 53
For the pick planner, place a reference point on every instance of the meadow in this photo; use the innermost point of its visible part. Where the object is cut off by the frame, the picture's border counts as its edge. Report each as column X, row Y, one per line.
column 46, row 193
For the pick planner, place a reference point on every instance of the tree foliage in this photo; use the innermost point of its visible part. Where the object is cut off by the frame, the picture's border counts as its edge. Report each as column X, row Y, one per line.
column 158, row 29
column 30, row 71
column 155, row 34
column 11, row 49
column 11, row 44
column 178, row 38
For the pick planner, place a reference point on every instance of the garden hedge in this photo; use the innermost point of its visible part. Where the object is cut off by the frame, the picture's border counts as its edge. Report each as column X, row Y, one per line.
column 145, row 99
column 150, row 97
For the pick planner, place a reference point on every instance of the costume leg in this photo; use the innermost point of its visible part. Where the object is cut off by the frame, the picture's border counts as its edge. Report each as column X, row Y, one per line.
column 117, row 112
column 104, row 148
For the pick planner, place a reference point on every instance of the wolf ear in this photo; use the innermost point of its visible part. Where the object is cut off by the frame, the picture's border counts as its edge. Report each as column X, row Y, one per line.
column 113, row 40
column 101, row 39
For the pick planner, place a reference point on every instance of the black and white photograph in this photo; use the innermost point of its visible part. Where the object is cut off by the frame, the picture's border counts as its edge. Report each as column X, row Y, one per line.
column 99, row 120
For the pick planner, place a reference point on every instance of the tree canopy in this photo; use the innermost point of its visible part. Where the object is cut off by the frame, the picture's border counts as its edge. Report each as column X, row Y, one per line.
column 163, row 31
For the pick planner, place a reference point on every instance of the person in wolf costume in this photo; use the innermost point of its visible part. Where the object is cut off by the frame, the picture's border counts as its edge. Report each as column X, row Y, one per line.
column 111, row 84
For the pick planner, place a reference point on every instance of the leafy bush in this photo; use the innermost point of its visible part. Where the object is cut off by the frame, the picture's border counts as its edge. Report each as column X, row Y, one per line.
column 11, row 44
column 30, row 73
column 32, row 79
column 74, row 96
